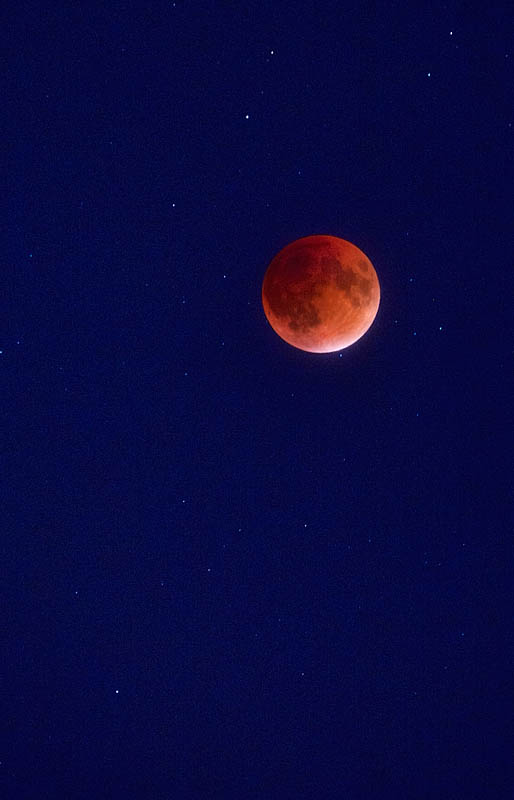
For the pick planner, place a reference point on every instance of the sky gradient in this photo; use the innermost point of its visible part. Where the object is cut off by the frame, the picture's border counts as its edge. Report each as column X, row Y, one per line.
column 230, row 568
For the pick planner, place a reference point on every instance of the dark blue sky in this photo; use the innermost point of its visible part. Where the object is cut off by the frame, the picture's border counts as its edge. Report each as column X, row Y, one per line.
column 233, row 569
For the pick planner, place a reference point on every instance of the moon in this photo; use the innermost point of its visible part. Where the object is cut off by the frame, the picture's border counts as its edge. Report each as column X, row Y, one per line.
column 320, row 293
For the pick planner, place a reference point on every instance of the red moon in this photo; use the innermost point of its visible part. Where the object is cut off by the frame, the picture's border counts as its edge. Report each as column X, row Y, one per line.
column 320, row 293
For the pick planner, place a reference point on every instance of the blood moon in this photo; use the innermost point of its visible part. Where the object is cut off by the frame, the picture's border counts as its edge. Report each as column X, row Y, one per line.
column 320, row 293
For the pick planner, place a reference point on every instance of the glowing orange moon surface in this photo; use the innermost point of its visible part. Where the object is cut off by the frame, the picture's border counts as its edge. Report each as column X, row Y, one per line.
column 320, row 293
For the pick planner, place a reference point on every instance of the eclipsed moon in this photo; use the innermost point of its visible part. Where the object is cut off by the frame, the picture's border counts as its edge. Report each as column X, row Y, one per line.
column 320, row 293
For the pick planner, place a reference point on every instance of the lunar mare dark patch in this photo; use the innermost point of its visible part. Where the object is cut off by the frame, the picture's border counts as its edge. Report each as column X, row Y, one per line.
column 346, row 278
column 290, row 304
column 304, row 316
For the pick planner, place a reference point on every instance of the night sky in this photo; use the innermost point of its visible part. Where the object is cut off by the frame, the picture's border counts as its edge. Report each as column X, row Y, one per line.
column 231, row 568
